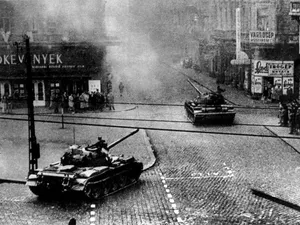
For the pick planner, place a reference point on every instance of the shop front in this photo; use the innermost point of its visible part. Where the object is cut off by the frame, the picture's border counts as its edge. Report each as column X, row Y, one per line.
column 55, row 70
column 267, row 74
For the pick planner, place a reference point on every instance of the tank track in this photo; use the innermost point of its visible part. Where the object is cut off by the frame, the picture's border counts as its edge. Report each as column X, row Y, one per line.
column 99, row 189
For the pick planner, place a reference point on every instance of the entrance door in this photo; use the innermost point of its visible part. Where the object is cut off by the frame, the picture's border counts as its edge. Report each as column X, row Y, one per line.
column 39, row 93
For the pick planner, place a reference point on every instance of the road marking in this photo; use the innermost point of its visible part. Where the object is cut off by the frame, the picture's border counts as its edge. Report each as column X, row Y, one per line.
column 201, row 177
column 92, row 213
column 170, row 197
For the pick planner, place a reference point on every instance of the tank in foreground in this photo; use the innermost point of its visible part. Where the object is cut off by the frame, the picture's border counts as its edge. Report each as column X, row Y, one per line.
column 91, row 170
column 209, row 108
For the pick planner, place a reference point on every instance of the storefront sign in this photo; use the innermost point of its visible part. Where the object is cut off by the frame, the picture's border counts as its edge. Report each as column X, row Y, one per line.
column 262, row 37
column 272, row 68
column 59, row 58
column 37, row 59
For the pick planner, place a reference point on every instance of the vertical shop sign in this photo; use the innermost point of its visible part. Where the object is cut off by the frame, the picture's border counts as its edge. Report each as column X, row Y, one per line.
column 238, row 32
column 257, row 84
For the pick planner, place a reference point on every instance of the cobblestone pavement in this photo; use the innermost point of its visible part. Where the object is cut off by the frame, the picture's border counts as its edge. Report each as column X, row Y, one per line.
column 199, row 178
column 211, row 178
column 144, row 203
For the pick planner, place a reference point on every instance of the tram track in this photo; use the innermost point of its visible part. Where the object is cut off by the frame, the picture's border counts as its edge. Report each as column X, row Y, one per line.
column 281, row 138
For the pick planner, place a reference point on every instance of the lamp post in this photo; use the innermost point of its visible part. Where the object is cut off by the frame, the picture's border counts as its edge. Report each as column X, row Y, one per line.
column 295, row 14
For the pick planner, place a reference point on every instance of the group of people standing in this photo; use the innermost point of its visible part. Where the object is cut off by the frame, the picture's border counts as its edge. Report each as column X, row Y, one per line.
column 272, row 93
column 289, row 115
column 81, row 102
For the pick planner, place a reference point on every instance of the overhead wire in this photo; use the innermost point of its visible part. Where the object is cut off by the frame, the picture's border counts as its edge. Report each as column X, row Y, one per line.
column 156, row 128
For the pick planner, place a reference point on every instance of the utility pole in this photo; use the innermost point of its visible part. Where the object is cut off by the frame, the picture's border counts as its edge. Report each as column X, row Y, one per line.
column 34, row 147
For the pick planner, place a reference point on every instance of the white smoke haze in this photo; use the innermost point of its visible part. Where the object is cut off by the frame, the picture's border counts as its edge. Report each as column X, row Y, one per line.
column 134, row 61
column 84, row 17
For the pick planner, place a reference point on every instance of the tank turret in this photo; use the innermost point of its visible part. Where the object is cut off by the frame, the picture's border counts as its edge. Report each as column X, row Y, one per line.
column 90, row 169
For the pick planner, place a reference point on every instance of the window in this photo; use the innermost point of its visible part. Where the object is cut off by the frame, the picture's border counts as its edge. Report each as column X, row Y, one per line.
column 5, row 24
column 51, row 25
column 19, row 89
column 6, row 88
column 40, row 91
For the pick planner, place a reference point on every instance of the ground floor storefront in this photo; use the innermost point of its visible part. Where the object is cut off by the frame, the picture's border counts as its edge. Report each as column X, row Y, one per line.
column 70, row 68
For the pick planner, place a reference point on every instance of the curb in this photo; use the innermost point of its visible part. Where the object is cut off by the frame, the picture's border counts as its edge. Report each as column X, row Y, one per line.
column 150, row 150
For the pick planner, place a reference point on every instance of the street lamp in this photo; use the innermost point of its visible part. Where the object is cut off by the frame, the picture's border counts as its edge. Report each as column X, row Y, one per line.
column 295, row 14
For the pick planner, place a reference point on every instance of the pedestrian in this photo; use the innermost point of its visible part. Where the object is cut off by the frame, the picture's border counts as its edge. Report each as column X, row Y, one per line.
column 292, row 119
column 64, row 102
column 298, row 120
column 278, row 93
column 273, row 94
column 265, row 94
column 71, row 103
column 110, row 101
column 82, row 102
column 5, row 103
column 289, row 93
column 121, row 88
column 55, row 103
column 283, row 115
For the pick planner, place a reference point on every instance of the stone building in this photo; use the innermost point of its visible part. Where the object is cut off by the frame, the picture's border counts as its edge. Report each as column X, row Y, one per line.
column 206, row 32
column 67, row 44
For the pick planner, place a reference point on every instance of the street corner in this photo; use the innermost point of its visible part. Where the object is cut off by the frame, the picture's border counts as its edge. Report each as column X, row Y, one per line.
column 150, row 154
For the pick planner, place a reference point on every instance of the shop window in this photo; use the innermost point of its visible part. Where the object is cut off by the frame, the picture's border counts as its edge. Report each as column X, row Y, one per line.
column 40, row 91
column 55, row 88
column 6, row 88
column 19, row 89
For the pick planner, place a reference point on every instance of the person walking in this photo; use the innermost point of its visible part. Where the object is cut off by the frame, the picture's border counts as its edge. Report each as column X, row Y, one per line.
column 121, row 88
column 110, row 101
column 71, row 103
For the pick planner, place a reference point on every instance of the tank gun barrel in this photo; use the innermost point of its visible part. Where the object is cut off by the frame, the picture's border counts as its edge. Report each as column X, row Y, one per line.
column 122, row 139
column 195, row 87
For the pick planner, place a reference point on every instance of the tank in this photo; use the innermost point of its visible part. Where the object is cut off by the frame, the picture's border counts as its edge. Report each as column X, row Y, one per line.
column 209, row 107
column 88, row 169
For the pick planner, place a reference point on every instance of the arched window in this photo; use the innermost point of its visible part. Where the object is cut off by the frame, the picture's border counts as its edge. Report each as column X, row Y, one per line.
column 6, row 88
column 40, row 91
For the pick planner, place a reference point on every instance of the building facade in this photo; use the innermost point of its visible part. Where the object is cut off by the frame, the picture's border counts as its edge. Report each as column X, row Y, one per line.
column 206, row 31
column 67, row 45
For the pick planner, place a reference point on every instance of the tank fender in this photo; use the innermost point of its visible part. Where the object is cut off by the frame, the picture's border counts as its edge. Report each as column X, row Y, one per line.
column 32, row 180
column 79, row 184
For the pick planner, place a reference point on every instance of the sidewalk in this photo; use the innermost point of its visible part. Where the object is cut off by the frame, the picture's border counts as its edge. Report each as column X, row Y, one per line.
column 54, row 141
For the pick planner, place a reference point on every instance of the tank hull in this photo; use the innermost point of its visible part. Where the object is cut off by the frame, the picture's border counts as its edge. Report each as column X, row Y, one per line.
column 95, row 183
column 206, row 114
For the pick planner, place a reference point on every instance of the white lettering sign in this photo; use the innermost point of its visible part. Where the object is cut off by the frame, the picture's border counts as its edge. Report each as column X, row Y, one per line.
column 263, row 37
column 272, row 68
column 37, row 59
